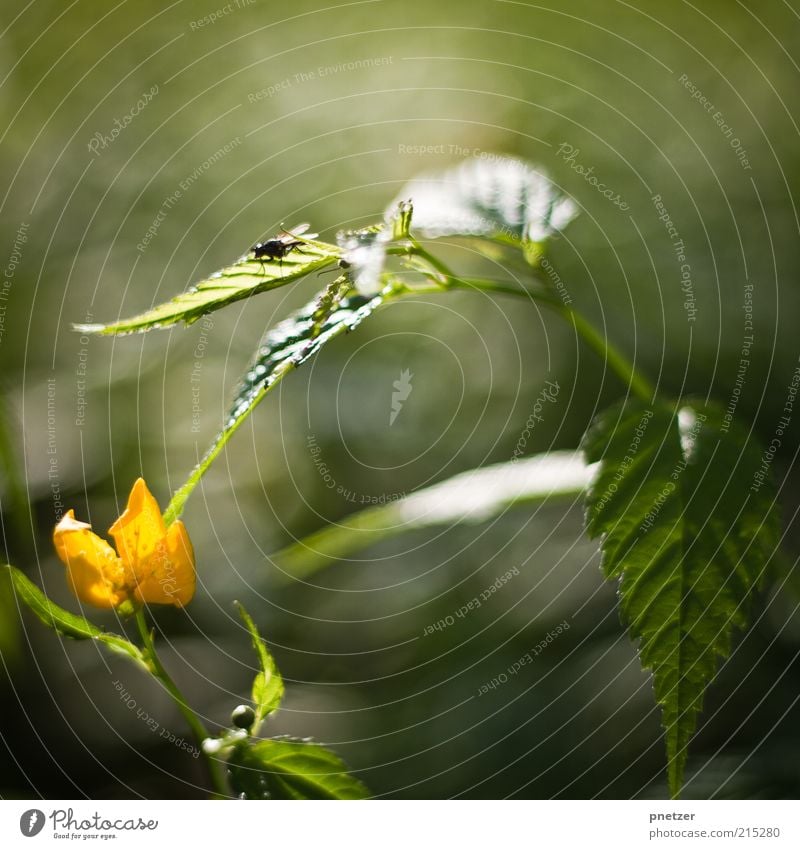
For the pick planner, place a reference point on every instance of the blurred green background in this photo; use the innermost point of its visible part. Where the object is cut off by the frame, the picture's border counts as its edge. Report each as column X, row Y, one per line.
column 272, row 113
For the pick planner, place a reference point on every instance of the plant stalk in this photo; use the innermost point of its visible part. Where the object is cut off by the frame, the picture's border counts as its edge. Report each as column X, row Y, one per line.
column 599, row 343
column 625, row 369
column 193, row 721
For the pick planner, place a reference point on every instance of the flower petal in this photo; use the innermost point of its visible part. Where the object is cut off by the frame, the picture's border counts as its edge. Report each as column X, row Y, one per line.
column 139, row 530
column 95, row 573
column 168, row 577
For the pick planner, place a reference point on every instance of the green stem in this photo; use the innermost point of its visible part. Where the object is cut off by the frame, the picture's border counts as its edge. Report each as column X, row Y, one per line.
column 192, row 720
column 599, row 343
column 433, row 261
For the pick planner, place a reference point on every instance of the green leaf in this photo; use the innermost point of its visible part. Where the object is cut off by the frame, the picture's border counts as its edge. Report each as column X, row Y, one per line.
column 473, row 496
column 268, row 684
column 688, row 526
column 244, row 278
column 499, row 198
column 69, row 624
column 290, row 769
column 284, row 348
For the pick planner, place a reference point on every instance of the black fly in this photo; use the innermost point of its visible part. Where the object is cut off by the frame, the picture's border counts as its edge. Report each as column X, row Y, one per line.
column 281, row 245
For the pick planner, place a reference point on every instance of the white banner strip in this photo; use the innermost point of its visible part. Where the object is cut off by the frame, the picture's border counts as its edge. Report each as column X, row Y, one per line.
column 402, row 824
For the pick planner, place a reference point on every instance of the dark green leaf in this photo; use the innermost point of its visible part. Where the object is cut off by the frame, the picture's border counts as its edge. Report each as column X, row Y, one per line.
column 244, row 278
column 268, row 684
column 290, row 769
column 294, row 341
column 69, row 624
column 499, row 198
column 688, row 526
column 284, row 348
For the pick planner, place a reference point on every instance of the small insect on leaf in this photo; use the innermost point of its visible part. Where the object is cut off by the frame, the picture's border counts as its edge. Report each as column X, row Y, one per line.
column 251, row 274
column 279, row 246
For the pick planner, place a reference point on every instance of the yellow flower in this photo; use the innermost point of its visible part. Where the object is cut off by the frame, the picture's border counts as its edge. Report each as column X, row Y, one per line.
column 152, row 563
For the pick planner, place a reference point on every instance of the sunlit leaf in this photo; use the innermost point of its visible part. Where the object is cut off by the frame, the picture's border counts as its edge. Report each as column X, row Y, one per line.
column 688, row 527
column 474, row 496
column 498, row 197
column 69, row 624
column 268, row 684
column 244, row 278
column 290, row 769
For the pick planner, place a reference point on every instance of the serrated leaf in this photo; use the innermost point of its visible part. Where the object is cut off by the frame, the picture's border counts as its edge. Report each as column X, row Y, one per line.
column 285, row 347
column 688, row 530
column 473, row 496
column 268, row 684
column 69, row 624
column 290, row 769
column 244, row 278
column 500, row 198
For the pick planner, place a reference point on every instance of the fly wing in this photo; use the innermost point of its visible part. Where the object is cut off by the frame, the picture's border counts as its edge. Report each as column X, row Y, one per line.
column 298, row 231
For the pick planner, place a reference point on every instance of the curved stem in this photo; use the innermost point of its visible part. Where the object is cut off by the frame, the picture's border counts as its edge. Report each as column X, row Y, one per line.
column 599, row 343
column 433, row 261
column 192, row 720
